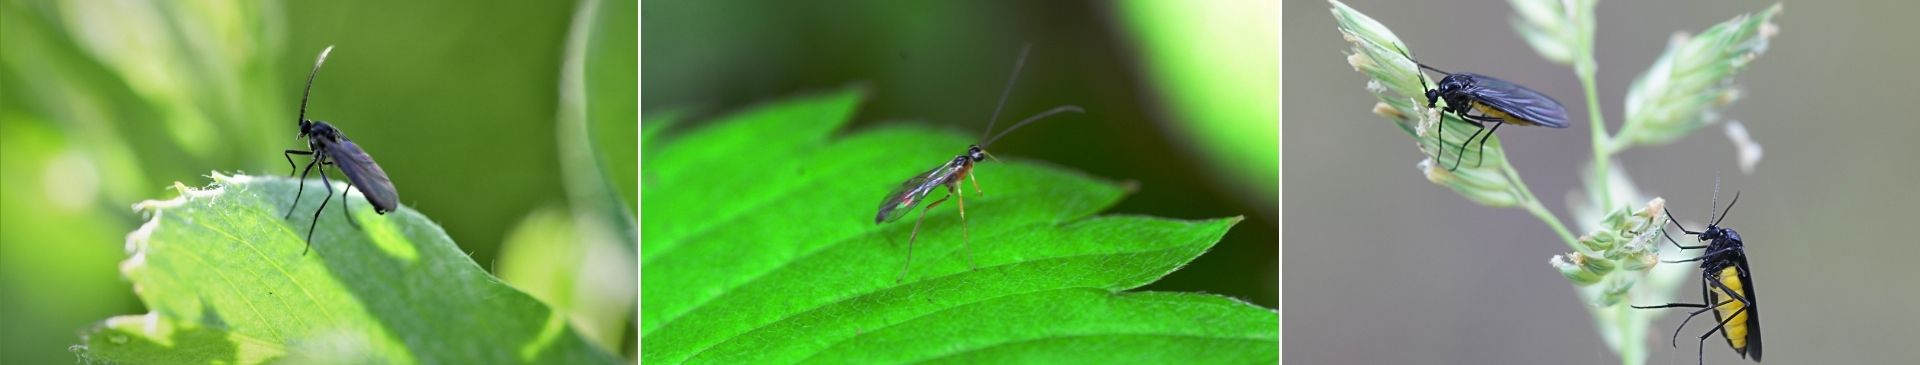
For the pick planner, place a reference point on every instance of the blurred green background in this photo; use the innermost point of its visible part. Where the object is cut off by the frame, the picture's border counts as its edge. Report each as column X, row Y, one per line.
column 1132, row 65
column 1387, row 268
column 104, row 104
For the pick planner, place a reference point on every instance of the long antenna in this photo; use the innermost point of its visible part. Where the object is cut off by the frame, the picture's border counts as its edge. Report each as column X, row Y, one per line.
column 1723, row 213
column 1409, row 55
column 1035, row 117
column 1017, row 64
column 309, row 91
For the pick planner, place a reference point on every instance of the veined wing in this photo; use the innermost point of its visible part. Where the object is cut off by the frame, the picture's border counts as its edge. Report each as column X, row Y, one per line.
column 902, row 199
column 1519, row 101
column 365, row 174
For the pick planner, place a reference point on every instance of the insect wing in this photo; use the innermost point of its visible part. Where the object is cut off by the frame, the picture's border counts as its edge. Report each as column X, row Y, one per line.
column 1519, row 101
column 365, row 174
column 1753, row 311
column 910, row 192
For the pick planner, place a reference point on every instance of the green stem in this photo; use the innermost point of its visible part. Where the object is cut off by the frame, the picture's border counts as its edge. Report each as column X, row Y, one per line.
column 1602, row 149
column 1540, row 211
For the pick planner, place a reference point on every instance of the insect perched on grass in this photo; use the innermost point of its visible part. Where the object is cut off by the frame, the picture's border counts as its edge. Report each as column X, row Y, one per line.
column 1726, row 282
column 330, row 147
column 910, row 193
column 1498, row 101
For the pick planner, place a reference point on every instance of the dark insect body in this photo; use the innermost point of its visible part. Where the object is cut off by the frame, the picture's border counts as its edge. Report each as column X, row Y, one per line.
column 330, row 147
column 1726, row 288
column 948, row 175
column 1498, row 101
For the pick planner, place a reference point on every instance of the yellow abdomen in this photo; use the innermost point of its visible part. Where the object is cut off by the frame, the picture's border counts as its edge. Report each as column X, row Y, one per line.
column 1736, row 330
column 1497, row 113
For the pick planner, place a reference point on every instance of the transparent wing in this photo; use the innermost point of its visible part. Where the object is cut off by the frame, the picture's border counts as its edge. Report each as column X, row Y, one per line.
column 902, row 199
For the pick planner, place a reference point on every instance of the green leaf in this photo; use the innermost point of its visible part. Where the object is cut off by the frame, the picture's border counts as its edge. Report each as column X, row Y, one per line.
column 760, row 247
column 225, row 279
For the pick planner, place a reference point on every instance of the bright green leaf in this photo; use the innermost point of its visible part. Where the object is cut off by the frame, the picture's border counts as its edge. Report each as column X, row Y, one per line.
column 760, row 247
column 225, row 279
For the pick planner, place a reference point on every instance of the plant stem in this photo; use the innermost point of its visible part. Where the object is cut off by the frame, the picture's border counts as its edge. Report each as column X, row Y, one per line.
column 1540, row 211
column 1602, row 149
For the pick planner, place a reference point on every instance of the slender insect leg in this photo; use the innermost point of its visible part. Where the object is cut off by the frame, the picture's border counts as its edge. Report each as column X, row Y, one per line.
column 965, row 242
column 976, row 184
column 303, row 181
column 1483, row 146
column 1463, row 144
column 289, row 155
column 1663, row 232
column 1676, row 223
column 316, row 212
column 916, row 235
column 1704, row 256
column 347, row 211
column 1702, row 353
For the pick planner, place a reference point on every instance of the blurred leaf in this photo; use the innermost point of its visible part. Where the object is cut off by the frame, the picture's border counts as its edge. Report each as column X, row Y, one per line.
column 58, row 245
column 598, row 110
column 575, row 267
column 1559, row 34
column 761, row 248
column 1215, row 67
column 226, row 280
column 582, row 263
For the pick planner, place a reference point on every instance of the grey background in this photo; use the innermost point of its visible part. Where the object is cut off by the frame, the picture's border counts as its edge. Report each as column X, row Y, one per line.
column 1383, row 267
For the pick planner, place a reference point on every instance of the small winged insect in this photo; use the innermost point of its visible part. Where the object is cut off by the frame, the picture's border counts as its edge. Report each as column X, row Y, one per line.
column 330, row 147
column 1497, row 101
column 1726, row 287
column 948, row 175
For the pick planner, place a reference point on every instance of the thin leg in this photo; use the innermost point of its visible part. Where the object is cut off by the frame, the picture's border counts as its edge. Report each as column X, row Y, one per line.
column 1703, row 256
column 915, row 235
column 1463, row 144
column 1439, row 132
column 976, row 184
column 1733, row 296
column 1483, row 146
column 1676, row 223
column 303, row 183
column 964, row 241
column 1675, row 340
column 1663, row 232
column 316, row 212
column 1722, row 327
column 289, row 155
column 347, row 211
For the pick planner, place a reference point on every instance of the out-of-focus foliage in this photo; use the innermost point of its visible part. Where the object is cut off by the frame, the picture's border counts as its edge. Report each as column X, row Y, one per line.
column 1217, row 70
column 103, row 104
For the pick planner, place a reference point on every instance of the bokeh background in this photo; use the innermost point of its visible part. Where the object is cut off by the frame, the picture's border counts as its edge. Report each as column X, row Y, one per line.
column 1383, row 267
column 1179, row 97
column 107, row 103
